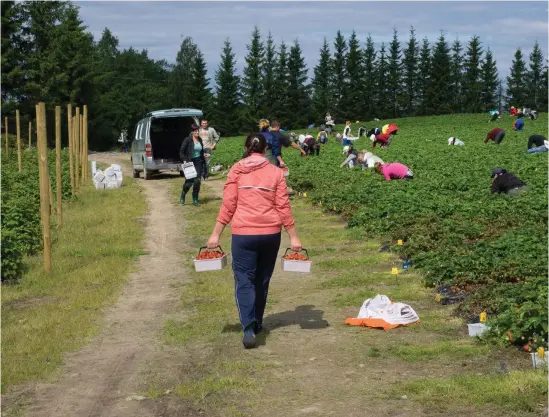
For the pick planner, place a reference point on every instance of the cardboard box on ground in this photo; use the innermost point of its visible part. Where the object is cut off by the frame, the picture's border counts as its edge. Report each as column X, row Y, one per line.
column 110, row 178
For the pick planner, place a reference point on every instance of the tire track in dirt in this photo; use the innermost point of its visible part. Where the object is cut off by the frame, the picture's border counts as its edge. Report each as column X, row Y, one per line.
column 97, row 380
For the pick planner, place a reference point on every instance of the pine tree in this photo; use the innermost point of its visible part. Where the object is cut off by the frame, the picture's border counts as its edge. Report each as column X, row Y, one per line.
column 12, row 55
column 410, row 74
column 394, row 76
column 268, row 81
column 182, row 77
column 534, row 78
column 227, row 113
column 489, row 76
column 501, row 97
column 424, row 75
column 251, row 81
column 517, row 92
column 472, row 83
column 321, row 83
column 339, row 76
column 543, row 94
column 281, row 110
column 353, row 87
column 439, row 95
column 457, row 77
column 369, row 80
column 298, row 94
column 383, row 105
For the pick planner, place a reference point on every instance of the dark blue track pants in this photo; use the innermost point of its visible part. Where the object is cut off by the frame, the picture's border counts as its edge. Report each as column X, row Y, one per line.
column 254, row 258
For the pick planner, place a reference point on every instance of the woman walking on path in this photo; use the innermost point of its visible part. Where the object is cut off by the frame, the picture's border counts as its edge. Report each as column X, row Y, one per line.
column 192, row 150
column 256, row 203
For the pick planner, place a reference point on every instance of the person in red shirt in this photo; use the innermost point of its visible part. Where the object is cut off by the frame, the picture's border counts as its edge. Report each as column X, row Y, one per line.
column 384, row 139
column 256, row 203
column 512, row 111
column 497, row 135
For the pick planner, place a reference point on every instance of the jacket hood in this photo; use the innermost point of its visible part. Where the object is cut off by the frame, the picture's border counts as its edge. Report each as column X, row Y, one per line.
column 252, row 163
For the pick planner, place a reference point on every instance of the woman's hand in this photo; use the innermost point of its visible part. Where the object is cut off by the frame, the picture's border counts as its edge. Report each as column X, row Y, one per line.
column 295, row 244
column 213, row 241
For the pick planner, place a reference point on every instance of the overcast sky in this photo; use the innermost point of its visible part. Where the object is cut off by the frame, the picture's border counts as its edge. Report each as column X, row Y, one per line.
column 160, row 26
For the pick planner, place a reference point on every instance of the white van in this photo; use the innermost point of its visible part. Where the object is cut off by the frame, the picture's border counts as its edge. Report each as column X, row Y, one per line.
column 157, row 139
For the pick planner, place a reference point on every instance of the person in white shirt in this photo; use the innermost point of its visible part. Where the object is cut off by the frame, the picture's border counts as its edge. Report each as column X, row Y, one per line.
column 455, row 142
column 210, row 138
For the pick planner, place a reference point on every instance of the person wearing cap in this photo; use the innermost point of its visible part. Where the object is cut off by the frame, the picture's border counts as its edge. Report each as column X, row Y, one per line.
column 351, row 157
column 506, row 183
column 518, row 125
column 394, row 171
column 512, row 111
column 309, row 144
column 537, row 143
column 455, row 142
column 384, row 140
column 497, row 135
column 192, row 150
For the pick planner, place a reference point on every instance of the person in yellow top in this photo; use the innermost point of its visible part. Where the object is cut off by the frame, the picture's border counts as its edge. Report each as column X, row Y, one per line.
column 322, row 136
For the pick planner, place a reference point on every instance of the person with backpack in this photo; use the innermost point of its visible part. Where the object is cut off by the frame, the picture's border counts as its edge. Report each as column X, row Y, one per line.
column 322, row 136
column 257, row 205
column 506, row 183
column 279, row 141
column 497, row 135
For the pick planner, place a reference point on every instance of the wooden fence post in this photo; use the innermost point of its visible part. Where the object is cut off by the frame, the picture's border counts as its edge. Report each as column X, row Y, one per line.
column 44, row 179
column 82, row 162
column 6, row 129
column 85, row 132
column 77, row 148
column 71, row 146
column 30, row 133
column 58, row 165
column 18, row 132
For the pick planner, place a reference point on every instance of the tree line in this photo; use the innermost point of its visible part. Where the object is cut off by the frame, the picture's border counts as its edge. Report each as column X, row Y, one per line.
column 47, row 55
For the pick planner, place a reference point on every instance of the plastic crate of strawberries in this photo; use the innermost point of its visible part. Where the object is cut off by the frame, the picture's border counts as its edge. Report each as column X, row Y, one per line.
column 296, row 261
column 210, row 260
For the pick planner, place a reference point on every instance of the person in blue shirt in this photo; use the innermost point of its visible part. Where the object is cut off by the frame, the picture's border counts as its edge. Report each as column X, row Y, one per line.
column 518, row 125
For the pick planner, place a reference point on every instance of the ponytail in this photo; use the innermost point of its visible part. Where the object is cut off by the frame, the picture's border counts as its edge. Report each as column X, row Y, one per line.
column 255, row 143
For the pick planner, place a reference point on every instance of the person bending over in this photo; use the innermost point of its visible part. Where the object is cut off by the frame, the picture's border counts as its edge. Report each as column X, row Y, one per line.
column 497, row 135
column 394, row 171
column 504, row 182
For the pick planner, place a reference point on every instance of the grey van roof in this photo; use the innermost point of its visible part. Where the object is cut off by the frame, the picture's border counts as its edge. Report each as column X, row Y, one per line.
column 175, row 113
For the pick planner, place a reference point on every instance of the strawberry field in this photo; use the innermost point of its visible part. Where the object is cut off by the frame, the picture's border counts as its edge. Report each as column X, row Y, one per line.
column 489, row 249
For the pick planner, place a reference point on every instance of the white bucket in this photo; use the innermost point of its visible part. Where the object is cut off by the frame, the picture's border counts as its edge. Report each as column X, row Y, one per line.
column 538, row 362
column 201, row 265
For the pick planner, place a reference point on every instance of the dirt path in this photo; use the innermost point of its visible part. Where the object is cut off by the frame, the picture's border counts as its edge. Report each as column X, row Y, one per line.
column 98, row 380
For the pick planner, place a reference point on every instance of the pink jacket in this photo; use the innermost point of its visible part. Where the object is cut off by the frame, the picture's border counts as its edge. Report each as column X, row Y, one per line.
column 394, row 170
column 255, row 198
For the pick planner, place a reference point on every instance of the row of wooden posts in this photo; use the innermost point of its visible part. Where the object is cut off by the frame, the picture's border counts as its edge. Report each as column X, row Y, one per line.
column 78, row 166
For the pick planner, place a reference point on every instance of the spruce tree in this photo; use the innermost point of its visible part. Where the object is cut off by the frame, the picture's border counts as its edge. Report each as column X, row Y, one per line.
column 12, row 55
column 339, row 76
column 201, row 94
column 227, row 113
column 472, row 83
column 489, row 76
column 321, row 83
column 281, row 110
column 543, row 94
column 268, row 81
column 182, row 74
column 251, row 81
column 534, row 78
column 457, row 77
column 369, row 80
column 517, row 91
column 439, row 95
column 394, row 76
column 298, row 92
column 424, row 75
column 383, row 105
column 353, row 87
column 410, row 74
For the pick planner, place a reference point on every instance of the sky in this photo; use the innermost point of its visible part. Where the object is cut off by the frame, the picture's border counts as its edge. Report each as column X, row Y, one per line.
column 159, row 26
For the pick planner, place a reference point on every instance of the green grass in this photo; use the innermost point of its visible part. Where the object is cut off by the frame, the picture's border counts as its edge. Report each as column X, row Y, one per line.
column 47, row 315
column 516, row 393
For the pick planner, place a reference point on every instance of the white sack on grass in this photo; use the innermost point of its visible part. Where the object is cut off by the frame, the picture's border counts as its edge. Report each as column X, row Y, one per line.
column 380, row 307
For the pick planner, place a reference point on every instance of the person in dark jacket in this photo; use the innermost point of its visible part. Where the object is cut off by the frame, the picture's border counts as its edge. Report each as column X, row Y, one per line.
column 192, row 150
column 535, row 141
column 373, row 131
column 497, row 135
column 507, row 183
